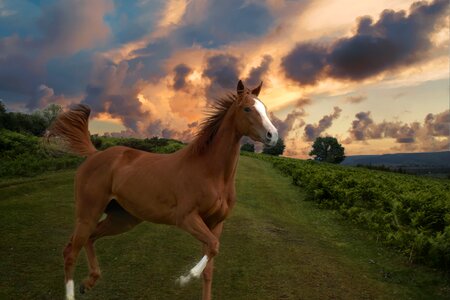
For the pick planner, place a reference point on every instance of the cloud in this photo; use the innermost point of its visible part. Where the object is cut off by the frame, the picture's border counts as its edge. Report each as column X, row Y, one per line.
column 223, row 71
column 285, row 126
column 438, row 125
column 395, row 41
column 44, row 96
column 214, row 23
column 360, row 126
column 70, row 26
column 181, row 72
column 109, row 92
column 431, row 135
column 133, row 20
column 355, row 99
column 203, row 24
column 305, row 63
column 64, row 28
column 257, row 74
column 18, row 72
column 312, row 131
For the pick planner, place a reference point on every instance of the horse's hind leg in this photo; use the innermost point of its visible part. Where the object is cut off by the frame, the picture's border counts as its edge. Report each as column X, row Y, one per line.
column 117, row 221
column 88, row 212
column 80, row 236
column 94, row 268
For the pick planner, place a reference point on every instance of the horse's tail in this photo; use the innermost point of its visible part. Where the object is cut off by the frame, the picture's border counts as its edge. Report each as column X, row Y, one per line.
column 70, row 129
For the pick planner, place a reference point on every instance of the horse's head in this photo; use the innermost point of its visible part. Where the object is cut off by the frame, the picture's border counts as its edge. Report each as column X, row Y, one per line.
column 251, row 116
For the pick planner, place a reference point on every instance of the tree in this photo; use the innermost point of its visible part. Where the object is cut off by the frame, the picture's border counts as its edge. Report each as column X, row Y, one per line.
column 276, row 150
column 51, row 112
column 35, row 123
column 327, row 149
column 249, row 147
column 2, row 108
column 3, row 115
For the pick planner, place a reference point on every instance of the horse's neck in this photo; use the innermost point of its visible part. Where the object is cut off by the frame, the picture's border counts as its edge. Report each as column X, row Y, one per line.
column 222, row 154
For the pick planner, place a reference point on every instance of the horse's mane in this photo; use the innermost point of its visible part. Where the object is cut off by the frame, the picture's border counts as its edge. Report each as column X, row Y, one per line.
column 210, row 125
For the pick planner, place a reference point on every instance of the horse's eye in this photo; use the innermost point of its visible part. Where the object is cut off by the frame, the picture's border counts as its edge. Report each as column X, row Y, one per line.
column 247, row 109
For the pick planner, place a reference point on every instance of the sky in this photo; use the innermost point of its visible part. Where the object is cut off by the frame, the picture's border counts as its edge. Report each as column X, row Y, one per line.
column 374, row 74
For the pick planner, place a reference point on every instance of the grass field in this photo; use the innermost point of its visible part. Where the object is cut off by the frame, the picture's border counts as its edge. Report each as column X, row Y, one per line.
column 274, row 246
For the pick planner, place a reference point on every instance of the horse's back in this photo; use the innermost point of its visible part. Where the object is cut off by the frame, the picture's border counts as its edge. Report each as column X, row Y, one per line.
column 100, row 168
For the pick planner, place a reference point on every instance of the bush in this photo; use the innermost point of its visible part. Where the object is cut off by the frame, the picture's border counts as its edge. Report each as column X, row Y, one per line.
column 276, row 150
column 154, row 144
column 249, row 147
column 35, row 123
column 409, row 213
column 327, row 149
column 23, row 155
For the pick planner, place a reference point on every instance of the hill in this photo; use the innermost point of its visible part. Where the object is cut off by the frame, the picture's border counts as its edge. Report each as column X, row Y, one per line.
column 423, row 159
column 275, row 245
column 425, row 162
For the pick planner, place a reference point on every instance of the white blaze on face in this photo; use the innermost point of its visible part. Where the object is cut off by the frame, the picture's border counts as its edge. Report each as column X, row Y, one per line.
column 268, row 126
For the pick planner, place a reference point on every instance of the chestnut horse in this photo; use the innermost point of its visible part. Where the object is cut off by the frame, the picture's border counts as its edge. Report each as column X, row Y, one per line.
column 193, row 188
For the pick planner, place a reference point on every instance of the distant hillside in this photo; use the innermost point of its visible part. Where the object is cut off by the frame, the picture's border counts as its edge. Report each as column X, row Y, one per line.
column 425, row 162
column 424, row 159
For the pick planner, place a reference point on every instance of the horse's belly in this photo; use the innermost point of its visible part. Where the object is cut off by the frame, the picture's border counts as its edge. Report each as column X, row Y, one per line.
column 149, row 209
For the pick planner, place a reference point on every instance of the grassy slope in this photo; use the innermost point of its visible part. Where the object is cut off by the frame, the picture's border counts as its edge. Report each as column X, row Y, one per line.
column 274, row 246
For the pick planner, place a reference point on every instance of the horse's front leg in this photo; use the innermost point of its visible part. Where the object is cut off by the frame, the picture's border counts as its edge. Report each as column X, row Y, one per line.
column 195, row 225
column 209, row 269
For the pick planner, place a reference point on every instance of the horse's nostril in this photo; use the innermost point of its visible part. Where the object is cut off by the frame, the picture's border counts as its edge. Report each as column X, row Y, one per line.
column 269, row 135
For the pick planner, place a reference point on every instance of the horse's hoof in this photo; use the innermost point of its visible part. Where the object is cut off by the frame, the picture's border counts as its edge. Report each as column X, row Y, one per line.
column 82, row 288
column 183, row 280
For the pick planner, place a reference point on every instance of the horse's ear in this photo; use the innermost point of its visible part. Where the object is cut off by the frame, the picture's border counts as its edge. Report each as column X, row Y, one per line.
column 240, row 88
column 256, row 90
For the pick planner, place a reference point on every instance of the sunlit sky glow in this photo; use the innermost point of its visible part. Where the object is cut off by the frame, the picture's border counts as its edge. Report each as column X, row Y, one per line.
column 374, row 74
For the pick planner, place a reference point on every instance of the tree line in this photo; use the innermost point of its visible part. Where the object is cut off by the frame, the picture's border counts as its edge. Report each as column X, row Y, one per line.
column 325, row 149
column 35, row 123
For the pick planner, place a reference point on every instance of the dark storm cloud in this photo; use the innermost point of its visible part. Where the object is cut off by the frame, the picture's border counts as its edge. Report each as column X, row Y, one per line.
column 223, row 22
column 108, row 93
column 44, row 96
column 60, row 52
column 312, row 131
column 181, row 72
column 132, row 20
column 69, row 26
column 62, row 29
column 257, row 73
column 19, row 73
column 305, row 63
column 223, row 72
column 396, row 40
column 69, row 75
column 150, row 60
column 124, row 106
column 425, row 134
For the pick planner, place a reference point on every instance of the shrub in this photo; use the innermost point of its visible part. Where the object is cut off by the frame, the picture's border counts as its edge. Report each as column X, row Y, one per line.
column 409, row 213
column 249, row 147
column 276, row 150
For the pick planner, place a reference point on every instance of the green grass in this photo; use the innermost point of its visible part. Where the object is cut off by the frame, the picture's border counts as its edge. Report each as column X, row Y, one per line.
column 275, row 245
